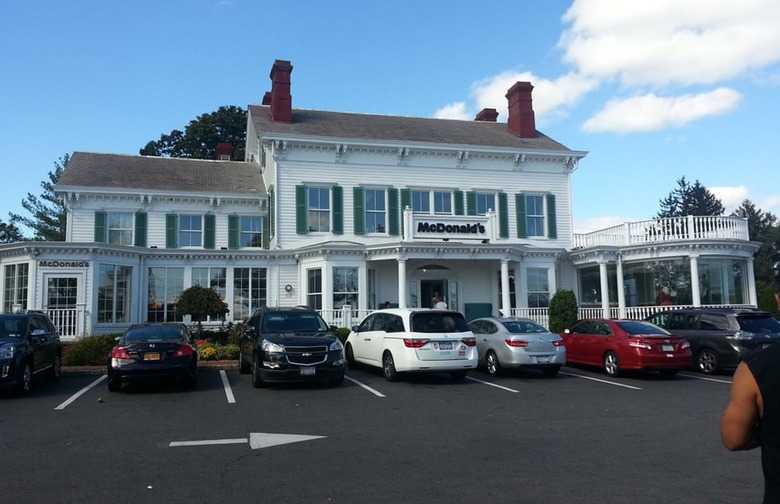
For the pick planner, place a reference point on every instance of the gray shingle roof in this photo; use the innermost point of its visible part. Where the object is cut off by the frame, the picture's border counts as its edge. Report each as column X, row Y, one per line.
column 398, row 128
column 91, row 170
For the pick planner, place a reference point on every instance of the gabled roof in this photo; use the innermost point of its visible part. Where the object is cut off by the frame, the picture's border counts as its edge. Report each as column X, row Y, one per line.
column 87, row 170
column 384, row 128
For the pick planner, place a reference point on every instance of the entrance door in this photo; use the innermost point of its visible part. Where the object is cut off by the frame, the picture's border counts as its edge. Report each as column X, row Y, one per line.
column 431, row 288
column 60, row 302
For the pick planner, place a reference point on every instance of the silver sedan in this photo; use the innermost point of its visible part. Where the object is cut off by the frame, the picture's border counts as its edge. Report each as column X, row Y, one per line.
column 511, row 342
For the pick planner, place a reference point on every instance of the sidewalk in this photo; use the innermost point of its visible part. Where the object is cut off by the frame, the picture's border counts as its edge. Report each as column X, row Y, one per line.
column 226, row 365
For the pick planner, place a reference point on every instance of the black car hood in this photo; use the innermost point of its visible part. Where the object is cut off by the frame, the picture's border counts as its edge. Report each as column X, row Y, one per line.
column 11, row 341
column 299, row 339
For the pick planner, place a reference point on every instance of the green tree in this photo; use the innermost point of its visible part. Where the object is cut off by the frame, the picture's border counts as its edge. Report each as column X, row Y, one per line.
column 200, row 137
column 201, row 302
column 759, row 222
column 9, row 233
column 690, row 199
column 48, row 218
column 563, row 310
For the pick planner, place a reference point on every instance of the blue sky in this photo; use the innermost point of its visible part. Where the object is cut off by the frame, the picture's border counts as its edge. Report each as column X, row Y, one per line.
column 652, row 90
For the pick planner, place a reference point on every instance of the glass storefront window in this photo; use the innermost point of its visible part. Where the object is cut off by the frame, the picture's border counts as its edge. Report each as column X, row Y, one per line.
column 113, row 303
column 723, row 281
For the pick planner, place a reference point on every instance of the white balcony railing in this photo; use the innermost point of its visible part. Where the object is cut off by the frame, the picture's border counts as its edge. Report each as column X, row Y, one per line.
column 666, row 230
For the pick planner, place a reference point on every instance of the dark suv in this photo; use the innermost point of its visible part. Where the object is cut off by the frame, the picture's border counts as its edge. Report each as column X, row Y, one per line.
column 290, row 345
column 720, row 337
column 29, row 346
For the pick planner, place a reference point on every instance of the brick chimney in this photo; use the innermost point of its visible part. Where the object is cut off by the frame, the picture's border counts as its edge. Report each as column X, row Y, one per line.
column 281, row 100
column 224, row 151
column 521, row 110
column 487, row 115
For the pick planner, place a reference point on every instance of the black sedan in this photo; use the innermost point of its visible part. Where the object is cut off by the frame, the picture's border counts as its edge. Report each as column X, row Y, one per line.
column 151, row 351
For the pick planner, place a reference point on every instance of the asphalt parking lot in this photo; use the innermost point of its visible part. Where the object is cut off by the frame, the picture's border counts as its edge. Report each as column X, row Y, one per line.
column 580, row 437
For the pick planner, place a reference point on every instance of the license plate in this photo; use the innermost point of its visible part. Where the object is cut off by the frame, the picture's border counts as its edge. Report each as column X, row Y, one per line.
column 543, row 359
column 445, row 345
column 152, row 356
column 667, row 348
column 308, row 371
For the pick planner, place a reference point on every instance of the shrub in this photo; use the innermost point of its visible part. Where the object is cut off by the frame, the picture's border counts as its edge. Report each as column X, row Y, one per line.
column 228, row 352
column 208, row 353
column 89, row 351
column 342, row 333
column 563, row 310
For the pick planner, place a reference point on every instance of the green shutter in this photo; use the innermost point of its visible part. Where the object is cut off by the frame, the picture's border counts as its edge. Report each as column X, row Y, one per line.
column 209, row 231
column 471, row 203
column 171, row 231
column 552, row 224
column 406, row 202
column 522, row 231
column 393, row 216
column 301, row 212
column 101, row 235
column 358, row 217
column 271, row 212
column 233, row 232
column 266, row 232
column 503, row 216
column 458, row 202
column 140, row 229
column 338, row 209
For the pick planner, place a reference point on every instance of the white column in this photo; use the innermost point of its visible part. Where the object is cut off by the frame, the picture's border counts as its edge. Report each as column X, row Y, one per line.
column 695, row 287
column 506, row 309
column 751, row 274
column 621, row 288
column 604, row 285
column 402, row 283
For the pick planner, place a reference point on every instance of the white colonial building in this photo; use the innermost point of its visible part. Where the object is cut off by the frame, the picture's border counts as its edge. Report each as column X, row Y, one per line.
column 347, row 212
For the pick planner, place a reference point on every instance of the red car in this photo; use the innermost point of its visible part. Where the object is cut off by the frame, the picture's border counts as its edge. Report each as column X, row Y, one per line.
column 618, row 345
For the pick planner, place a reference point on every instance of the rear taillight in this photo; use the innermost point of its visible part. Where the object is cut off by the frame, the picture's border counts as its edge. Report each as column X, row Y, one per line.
column 415, row 343
column 470, row 341
column 640, row 344
column 119, row 353
column 557, row 342
column 686, row 344
column 183, row 351
column 516, row 343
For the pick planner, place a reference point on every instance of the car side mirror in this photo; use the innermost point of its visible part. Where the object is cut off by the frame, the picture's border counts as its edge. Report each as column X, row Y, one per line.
column 354, row 328
column 333, row 328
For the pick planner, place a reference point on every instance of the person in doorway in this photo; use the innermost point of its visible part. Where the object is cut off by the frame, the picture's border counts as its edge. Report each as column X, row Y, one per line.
column 440, row 304
column 751, row 419
column 436, row 298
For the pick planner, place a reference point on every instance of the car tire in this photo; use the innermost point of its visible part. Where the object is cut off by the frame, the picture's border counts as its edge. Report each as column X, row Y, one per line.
column 349, row 354
column 611, row 364
column 257, row 380
column 114, row 384
column 24, row 379
column 56, row 367
column 458, row 375
column 491, row 363
column 388, row 367
column 706, row 361
column 243, row 367
column 551, row 371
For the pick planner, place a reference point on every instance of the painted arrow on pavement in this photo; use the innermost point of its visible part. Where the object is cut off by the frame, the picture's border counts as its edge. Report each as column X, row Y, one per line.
column 256, row 440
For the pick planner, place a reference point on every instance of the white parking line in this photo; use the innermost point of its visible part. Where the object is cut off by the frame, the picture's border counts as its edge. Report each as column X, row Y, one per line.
column 226, row 385
column 375, row 392
column 697, row 377
column 79, row 393
column 602, row 381
column 493, row 385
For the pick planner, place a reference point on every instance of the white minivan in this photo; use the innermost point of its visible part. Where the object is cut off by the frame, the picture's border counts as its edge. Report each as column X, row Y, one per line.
column 400, row 340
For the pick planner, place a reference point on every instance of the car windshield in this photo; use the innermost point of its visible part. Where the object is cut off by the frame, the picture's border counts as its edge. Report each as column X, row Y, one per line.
column 154, row 333
column 763, row 324
column 637, row 327
column 522, row 327
column 12, row 327
column 437, row 322
column 296, row 322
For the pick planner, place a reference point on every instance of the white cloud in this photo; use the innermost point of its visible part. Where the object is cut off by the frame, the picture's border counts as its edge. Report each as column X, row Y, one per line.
column 671, row 41
column 771, row 204
column 453, row 111
column 731, row 196
column 653, row 113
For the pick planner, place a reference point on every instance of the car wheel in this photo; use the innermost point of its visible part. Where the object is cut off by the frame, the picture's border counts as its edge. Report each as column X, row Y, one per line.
column 458, row 375
column 611, row 364
column 243, row 367
column 388, row 367
column 551, row 371
column 350, row 356
column 257, row 380
column 706, row 361
column 56, row 368
column 24, row 380
column 114, row 384
column 492, row 364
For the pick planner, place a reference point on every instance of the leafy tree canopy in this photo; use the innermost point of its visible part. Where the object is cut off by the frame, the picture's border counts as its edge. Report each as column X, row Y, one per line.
column 48, row 217
column 759, row 222
column 201, row 302
column 690, row 199
column 200, row 138
column 9, row 233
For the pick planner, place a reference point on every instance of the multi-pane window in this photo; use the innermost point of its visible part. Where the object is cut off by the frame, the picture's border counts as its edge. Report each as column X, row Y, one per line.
column 165, row 286
column 249, row 291
column 215, row 278
column 15, row 292
column 113, row 303
column 251, row 232
column 314, row 289
column 485, row 202
column 538, row 287
column 190, row 230
column 375, row 210
column 421, row 202
column 120, row 228
column 442, row 202
column 345, row 287
column 534, row 215
column 319, row 209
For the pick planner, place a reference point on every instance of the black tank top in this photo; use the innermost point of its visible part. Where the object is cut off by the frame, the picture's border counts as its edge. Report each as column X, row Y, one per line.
column 765, row 367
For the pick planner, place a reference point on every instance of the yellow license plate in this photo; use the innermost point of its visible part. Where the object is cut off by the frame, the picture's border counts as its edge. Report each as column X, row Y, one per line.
column 152, row 356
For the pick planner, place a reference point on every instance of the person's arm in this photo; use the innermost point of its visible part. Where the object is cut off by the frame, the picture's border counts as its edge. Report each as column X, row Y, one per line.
column 739, row 423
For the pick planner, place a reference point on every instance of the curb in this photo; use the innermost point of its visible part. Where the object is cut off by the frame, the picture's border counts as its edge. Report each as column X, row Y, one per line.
column 99, row 370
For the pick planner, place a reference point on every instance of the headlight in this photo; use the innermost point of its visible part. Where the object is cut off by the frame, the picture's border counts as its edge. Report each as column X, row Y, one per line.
column 271, row 347
column 7, row 351
column 336, row 345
